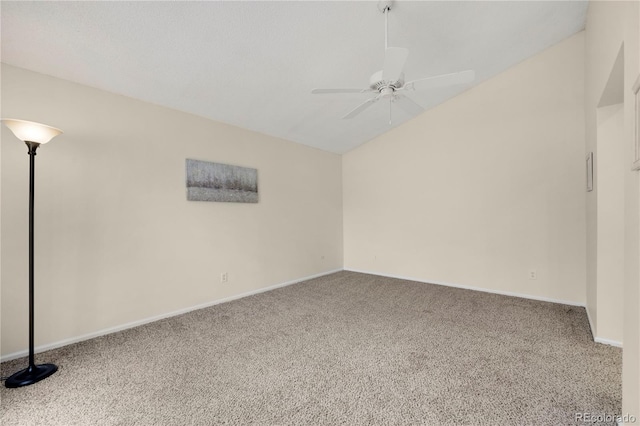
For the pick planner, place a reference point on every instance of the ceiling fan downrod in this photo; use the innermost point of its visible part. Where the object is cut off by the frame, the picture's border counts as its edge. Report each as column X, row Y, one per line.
column 385, row 7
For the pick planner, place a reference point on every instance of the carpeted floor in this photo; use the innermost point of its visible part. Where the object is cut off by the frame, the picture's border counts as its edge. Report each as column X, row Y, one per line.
column 346, row 348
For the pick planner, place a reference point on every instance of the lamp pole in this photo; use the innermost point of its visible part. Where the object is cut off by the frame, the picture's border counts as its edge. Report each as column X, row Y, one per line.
column 28, row 131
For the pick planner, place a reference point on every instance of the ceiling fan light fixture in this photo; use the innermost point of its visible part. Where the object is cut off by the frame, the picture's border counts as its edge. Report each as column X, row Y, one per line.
column 386, row 93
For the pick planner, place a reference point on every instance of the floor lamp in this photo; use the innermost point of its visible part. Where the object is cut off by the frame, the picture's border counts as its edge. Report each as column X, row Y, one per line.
column 33, row 134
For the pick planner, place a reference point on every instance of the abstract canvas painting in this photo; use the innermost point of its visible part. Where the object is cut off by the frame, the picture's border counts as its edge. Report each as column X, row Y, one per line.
column 221, row 182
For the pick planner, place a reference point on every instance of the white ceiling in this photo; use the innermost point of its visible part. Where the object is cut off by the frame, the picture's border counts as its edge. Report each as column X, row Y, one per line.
column 253, row 64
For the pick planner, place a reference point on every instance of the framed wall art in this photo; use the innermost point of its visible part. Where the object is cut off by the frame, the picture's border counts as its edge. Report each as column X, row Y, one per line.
column 221, row 182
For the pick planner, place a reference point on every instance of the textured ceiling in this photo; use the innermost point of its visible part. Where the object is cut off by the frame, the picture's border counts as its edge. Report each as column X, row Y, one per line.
column 253, row 64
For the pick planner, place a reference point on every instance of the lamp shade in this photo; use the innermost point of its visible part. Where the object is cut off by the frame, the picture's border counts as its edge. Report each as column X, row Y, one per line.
column 29, row 131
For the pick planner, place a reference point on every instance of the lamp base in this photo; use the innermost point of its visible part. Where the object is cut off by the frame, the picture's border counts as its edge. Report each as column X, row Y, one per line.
column 30, row 375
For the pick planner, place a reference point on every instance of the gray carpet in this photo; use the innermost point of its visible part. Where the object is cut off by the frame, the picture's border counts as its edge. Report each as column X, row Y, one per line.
column 346, row 348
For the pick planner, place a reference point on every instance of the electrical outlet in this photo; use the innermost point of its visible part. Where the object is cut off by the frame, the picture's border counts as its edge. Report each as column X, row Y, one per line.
column 224, row 277
column 533, row 275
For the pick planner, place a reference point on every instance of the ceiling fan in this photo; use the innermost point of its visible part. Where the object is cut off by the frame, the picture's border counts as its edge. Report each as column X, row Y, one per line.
column 389, row 82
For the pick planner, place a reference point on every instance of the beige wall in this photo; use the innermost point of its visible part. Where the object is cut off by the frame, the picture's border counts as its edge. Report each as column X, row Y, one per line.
column 481, row 189
column 116, row 240
column 605, row 210
column 610, row 25
column 609, row 189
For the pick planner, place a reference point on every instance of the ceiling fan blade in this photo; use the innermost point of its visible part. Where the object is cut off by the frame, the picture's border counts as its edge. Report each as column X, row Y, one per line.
column 441, row 80
column 357, row 110
column 408, row 105
column 394, row 59
column 326, row 91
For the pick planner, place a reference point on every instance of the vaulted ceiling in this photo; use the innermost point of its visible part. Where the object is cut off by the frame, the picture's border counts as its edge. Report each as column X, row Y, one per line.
column 254, row 64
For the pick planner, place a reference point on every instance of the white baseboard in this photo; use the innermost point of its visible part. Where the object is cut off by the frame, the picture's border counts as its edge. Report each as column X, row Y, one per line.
column 466, row 287
column 504, row 293
column 133, row 324
column 591, row 325
column 602, row 340
column 115, row 329
column 609, row 342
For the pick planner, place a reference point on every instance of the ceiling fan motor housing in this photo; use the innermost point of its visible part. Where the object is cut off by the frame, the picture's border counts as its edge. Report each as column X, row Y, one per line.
column 377, row 83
